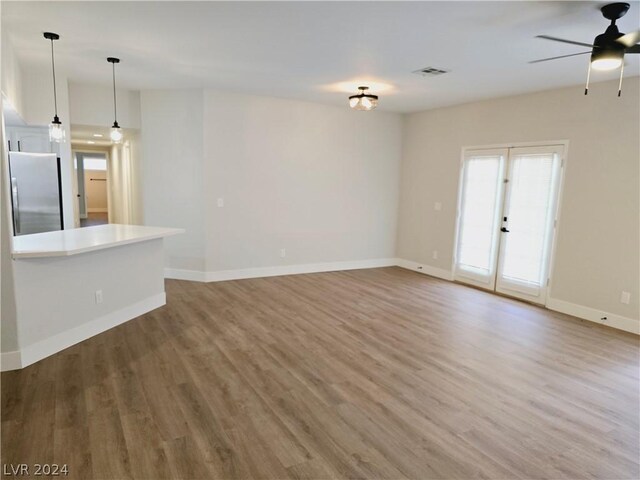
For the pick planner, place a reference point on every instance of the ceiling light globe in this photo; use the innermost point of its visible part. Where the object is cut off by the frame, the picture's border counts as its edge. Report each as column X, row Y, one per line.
column 363, row 101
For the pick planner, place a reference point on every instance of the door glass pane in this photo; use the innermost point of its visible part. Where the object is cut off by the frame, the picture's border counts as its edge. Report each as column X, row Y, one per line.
column 478, row 214
column 531, row 186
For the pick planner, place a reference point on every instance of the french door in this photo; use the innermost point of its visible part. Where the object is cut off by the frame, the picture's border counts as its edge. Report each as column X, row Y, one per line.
column 506, row 219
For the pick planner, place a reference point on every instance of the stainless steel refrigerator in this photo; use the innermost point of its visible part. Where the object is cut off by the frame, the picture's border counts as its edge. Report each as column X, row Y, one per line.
column 36, row 193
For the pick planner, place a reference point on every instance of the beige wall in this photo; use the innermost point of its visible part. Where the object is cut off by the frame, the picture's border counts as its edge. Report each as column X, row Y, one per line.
column 96, row 190
column 598, row 238
column 93, row 105
column 319, row 181
column 172, row 171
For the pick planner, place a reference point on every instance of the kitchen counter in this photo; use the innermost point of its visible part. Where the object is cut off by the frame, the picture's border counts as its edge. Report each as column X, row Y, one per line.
column 70, row 285
column 81, row 240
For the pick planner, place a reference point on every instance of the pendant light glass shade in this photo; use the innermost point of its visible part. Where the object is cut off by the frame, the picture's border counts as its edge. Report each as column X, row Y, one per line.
column 363, row 100
column 116, row 134
column 56, row 130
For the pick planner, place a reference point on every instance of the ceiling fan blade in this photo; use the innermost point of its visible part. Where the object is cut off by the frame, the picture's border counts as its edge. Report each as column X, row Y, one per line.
column 555, row 58
column 634, row 49
column 630, row 39
column 556, row 39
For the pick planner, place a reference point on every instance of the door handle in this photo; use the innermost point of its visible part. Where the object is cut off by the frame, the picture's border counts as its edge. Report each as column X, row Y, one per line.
column 504, row 229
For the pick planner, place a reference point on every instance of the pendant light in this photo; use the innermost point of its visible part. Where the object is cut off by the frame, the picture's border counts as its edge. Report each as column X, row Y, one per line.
column 363, row 100
column 116, row 132
column 56, row 132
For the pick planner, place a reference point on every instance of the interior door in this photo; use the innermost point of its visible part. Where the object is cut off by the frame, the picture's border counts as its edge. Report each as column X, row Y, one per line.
column 528, row 222
column 481, row 197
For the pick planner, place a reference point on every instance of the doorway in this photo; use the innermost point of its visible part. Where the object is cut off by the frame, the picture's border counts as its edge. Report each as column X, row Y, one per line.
column 507, row 218
column 91, row 170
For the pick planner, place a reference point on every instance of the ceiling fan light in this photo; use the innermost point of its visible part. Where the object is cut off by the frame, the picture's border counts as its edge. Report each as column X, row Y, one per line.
column 606, row 58
column 604, row 64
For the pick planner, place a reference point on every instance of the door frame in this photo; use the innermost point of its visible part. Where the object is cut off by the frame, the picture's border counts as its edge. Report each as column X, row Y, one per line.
column 96, row 150
column 558, row 207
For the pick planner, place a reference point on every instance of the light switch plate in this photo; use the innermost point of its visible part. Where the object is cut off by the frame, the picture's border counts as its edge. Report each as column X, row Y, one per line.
column 437, row 206
column 625, row 297
column 221, row 202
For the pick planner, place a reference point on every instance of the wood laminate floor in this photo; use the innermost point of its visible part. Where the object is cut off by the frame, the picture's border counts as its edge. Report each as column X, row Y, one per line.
column 94, row 218
column 380, row 373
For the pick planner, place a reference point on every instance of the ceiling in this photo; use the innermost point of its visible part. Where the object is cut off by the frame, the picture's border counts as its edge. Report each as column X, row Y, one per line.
column 311, row 50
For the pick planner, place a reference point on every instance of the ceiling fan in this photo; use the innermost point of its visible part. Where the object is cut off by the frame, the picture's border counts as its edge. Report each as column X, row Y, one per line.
column 609, row 48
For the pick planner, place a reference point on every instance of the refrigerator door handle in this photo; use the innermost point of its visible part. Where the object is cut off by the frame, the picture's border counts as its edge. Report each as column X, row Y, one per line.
column 16, row 205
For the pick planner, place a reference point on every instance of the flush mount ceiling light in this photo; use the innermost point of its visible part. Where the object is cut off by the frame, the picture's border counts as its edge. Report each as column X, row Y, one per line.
column 363, row 100
column 56, row 132
column 116, row 133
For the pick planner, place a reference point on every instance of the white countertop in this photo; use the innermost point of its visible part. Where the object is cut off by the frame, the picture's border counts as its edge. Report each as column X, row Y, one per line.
column 80, row 240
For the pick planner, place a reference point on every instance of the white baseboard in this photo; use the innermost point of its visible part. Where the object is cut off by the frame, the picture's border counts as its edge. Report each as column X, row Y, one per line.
column 10, row 361
column 97, row 210
column 426, row 269
column 224, row 275
column 593, row 315
column 180, row 274
column 47, row 347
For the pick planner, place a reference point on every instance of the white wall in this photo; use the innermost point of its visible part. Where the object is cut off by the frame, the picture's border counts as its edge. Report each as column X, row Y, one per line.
column 172, row 171
column 599, row 234
column 93, row 105
column 124, row 182
column 11, row 75
column 8, row 317
column 10, row 84
column 319, row 181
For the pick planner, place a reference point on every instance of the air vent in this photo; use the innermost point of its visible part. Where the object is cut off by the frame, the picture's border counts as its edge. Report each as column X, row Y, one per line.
column 431, row 71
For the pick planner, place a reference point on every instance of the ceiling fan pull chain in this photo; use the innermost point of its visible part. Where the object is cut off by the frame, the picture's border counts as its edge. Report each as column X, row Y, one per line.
column 586, row 88
column 620, row 84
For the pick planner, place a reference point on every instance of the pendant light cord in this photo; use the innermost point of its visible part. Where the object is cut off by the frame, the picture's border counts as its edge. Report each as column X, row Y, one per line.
column 115, row 108
column 53, row 67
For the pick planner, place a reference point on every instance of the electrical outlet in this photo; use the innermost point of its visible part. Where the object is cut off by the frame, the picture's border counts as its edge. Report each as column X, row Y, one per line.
column 99, row 298
column 221, row 202
column 434, row 255
column 283, row 253
column 437, row 206
column 625, row 297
